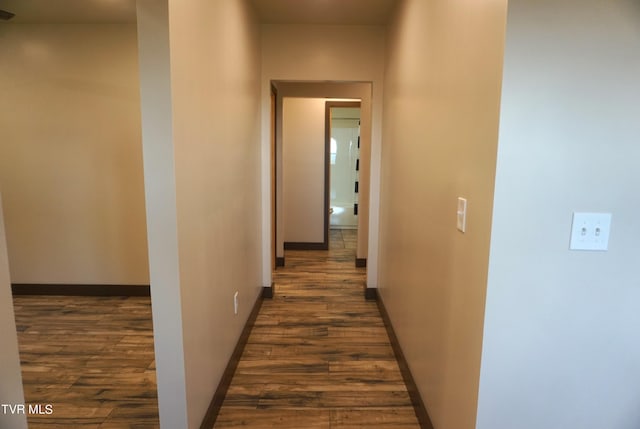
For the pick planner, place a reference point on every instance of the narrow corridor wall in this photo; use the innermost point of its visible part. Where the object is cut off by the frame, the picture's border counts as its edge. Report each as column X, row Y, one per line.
column 215, row 77
column 440, row 133
column 201, row 120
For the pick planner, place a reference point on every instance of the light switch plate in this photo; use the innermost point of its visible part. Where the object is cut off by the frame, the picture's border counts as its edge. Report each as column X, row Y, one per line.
column 462, row 214
column 590, row 231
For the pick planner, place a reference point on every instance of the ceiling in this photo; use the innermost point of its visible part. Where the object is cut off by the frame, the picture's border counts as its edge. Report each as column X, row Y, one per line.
column 347, row 12
column 70, row 11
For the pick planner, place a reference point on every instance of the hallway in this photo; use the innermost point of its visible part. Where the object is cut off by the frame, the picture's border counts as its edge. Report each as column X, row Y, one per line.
column 318, row 355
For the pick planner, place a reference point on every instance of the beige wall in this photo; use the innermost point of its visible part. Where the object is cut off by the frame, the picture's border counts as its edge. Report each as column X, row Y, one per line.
column 11, row 386
column 561, row 345
column 70, row 154
column 208, row 157
column 216, row 94
column 326, row 53
column 303, row 147
column 441, row 107
column 160, row 196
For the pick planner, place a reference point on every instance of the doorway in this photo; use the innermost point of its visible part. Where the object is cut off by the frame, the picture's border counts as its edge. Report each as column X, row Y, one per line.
column 342, row 138
column 302, row 156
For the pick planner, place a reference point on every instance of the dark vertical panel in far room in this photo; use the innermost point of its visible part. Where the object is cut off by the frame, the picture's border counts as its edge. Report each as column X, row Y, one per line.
column 274, row 211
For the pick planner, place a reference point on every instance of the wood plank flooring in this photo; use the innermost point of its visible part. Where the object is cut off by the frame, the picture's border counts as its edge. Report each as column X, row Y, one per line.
column 91, row 358
column 319, row 355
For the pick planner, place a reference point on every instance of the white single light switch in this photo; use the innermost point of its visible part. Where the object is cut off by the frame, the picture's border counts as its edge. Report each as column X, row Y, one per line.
column 590, row 231
column 235, row 303
column 462, row 214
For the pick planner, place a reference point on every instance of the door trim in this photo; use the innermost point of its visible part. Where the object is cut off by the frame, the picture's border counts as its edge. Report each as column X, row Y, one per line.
column 274, row 187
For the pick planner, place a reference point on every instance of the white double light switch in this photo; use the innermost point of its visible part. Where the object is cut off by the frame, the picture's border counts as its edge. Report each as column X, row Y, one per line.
column 590, row 231
column 462, row 214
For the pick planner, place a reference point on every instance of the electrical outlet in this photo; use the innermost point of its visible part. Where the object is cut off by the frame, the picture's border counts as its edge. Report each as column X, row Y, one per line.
column 235, row 303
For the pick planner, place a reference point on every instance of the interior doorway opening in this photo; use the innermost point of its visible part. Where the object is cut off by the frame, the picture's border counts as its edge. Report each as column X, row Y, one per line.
column 343, row 138
column 302, row 156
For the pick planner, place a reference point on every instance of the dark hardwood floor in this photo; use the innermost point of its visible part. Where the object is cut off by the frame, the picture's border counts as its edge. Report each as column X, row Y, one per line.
column 318, row 356
column 91, row 358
